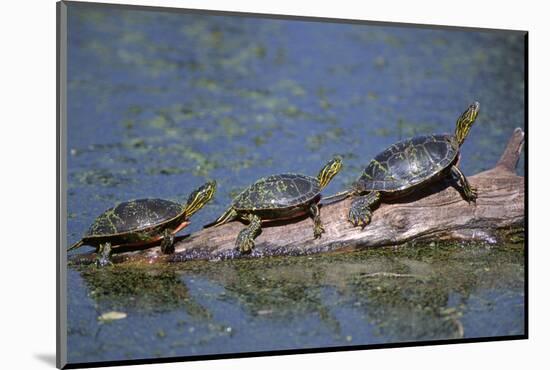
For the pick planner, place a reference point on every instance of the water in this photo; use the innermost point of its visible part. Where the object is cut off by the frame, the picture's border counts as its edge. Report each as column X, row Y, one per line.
column 161, row 102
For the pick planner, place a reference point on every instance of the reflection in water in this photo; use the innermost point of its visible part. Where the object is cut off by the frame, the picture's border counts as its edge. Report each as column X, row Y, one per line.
column 379, row 296
column 146, row 290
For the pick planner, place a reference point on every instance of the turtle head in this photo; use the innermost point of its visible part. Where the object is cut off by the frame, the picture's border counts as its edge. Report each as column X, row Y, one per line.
column 465, row 121
column 200, row 197
column 329, row 171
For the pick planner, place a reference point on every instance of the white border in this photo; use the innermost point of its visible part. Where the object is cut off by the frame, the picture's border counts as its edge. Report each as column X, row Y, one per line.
column 28, row 182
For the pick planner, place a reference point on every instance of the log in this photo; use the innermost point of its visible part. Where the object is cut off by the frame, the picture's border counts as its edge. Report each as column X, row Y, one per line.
column 433, row 213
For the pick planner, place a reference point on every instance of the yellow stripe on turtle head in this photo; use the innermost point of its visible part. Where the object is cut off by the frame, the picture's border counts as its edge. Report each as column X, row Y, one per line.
column 465, row 122
column 329, row 171
column 200, row 197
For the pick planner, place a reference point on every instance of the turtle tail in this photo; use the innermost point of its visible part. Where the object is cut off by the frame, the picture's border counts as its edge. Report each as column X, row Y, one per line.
column 336, row 197
column 75, row 245
column 227, row 216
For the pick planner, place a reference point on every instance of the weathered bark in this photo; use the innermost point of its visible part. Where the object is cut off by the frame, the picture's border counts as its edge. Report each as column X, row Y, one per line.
column 434, row 213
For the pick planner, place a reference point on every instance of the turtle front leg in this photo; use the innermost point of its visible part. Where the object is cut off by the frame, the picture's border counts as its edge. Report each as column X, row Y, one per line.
column 469, row 193
column 103, row 255
column 360, row 212
column 167, row 244
column 318, row 228
column 245, row 239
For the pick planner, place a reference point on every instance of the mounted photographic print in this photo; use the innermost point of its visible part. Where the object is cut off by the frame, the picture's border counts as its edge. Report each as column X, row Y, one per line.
column 236, row 184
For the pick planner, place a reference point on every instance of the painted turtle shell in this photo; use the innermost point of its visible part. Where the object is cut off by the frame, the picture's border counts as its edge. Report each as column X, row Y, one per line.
column 278, row 192
column 134, row 216
column 409, row 163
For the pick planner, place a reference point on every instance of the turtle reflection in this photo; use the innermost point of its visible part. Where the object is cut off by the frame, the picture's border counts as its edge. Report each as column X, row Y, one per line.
column 411, row 293
column 278, row 290
column 421, row 293
column 142, row 289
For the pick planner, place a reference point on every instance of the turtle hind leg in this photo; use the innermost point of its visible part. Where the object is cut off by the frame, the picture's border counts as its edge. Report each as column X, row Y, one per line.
column 229, row 215
column 318, row 228
column 167, row 244
column 103, row 257
column 360, row 212
column 245, row 239
column 468, row 192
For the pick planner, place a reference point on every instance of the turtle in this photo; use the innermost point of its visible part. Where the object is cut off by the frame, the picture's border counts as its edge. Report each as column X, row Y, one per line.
column 408, row 165
column 278, row 197
column 142, row 222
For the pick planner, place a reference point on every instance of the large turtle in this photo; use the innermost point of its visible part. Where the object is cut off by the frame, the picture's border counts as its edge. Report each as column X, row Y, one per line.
column 142, row 222
column 278, row 197
column 409, row 164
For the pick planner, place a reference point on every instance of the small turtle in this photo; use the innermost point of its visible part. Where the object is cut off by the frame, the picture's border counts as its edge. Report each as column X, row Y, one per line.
column 409, row 164
column 278, row 197
column 142, row 222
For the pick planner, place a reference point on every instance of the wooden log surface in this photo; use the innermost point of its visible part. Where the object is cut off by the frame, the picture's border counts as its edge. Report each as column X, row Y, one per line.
column 433, row 213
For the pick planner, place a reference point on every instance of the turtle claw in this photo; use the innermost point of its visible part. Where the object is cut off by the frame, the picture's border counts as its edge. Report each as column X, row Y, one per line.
column 245, row 239
column 246, row 247
column 469, row 193
column 360, row 213
column 359, row 217
column 353, row 219
column 167, row 244
column 473, row 194
column 245, row 242
column 365, row 221
column 318, row 230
